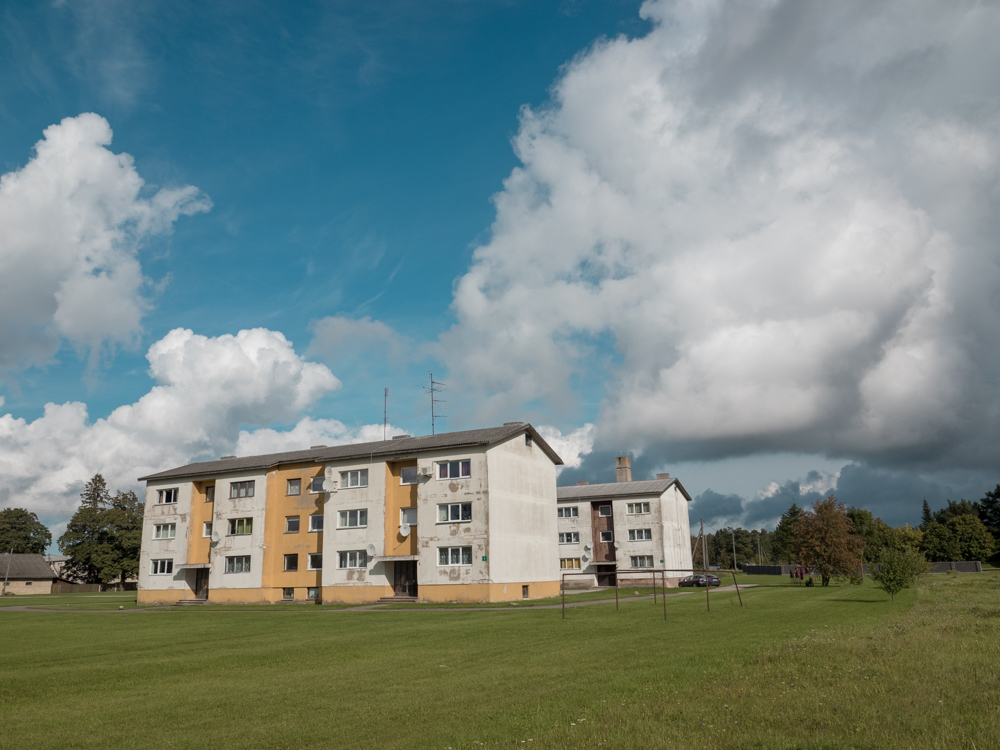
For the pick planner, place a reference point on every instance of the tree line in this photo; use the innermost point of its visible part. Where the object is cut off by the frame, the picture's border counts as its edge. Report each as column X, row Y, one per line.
column 102, row 540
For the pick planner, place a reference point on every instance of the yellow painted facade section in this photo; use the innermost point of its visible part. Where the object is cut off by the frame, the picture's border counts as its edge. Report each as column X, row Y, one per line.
column 397, row 497
column 355, row 594
column 440, row 593
column 278, row 543
column 198, row 545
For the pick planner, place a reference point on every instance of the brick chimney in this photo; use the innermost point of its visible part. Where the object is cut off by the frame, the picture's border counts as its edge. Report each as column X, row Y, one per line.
column 623, row 469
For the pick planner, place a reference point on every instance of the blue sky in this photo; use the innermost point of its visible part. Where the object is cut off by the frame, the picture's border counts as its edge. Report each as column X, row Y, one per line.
column 747, row 244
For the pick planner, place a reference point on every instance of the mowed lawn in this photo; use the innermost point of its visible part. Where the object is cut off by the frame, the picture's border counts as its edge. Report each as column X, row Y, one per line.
column 797, row 668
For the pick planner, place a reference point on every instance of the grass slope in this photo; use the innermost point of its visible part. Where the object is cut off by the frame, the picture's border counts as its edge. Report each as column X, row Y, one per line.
column 798, row 668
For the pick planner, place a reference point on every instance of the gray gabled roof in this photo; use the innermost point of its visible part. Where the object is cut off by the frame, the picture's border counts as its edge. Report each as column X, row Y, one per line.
column 32, row 567
column 399, row 447
column 618, row 489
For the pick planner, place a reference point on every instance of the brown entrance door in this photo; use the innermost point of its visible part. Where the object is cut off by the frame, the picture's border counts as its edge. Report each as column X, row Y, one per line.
column 201, row 583
column 606, row 575
column 405, row 578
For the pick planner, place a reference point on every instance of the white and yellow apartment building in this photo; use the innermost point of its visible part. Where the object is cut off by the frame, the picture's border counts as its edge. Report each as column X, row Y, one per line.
column 463, row 516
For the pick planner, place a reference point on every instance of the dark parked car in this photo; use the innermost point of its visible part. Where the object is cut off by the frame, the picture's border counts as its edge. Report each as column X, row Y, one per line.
column 700, row 579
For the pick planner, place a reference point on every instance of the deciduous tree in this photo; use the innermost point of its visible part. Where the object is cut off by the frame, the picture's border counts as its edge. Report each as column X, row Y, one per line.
column 963, row 538
column 22, row 532
column 898, row 569
column 825, row 540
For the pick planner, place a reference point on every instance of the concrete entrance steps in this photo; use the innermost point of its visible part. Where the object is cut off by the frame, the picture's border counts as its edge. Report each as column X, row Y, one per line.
column 190, row 602
column 397, row 600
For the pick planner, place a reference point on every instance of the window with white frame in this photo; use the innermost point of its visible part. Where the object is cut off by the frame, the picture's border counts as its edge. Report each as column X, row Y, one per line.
column 408, row 516
column 166, row 497
column 351, row 519
column 165, row 531
column 569, row 537
column 316, row 485
column 240, row 526
column 206, row 529
column 291, row 563
column 291, row 524
column 451, row 512
column 312, row 593
column 607, row 536
column 571, row 511
column 455, row 469
column 569, row 563
column 288, row 593
column 604, row 511
column 637, row 509
column 454, row 555
column 527, row 439
column 238, row 564
column 316, row 561
column 162, row 567
column 356, row 478
column 351, row 559
column 210, row 494
column 642, row 561
column 316, row 523
column 293, row 487
column 640, row 535
column 408, row 475
column 241, row 489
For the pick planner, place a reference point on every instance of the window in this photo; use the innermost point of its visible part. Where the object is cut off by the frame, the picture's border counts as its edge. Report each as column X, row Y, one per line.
column 293, row 487
column 570, row 512
column 165, row 531
column 604, row 511
column 408, row 475
column 454, row 555
column 316, row 485
column 210, row 494
column 312, row 593
column 162, row 567
column 238, row 564
column 455, row 469
column 166, row 497
column 569, row 537
column 607, row 536
column 291, row 563
column 637, row 509
column 454, row 512
column 315, row 523
column 206, row 528
column 241, row 489
column 527, row 439
column 349, row 519
column 316, row 561
column 642, row 561
column 408, row 516
column 351, row 559
column 288, row 593
column 291, row 524
column 569, row 563
column 358, row 478
column 240, row 526
column 640, row 535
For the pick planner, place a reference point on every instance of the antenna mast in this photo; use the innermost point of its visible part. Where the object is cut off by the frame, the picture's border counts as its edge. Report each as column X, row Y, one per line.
column 385, row 413
column 435, row 388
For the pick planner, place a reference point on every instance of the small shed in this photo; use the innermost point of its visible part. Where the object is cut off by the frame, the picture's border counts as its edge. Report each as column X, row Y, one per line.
column 26, row 574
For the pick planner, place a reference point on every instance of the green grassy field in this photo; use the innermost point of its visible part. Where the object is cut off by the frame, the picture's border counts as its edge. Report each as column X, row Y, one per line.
column 797, row 668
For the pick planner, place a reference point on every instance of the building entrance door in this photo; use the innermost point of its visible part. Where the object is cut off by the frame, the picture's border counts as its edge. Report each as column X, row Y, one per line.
column 606, row 575
column 201, row 583
column 405, row 578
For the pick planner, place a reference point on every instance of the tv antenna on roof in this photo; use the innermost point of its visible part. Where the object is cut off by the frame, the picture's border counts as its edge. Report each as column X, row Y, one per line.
column 435, row 388
column 385, row 413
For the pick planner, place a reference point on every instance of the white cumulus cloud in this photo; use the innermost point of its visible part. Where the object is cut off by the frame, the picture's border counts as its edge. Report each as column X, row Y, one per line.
column 781, row 215
column 72, row 221
column 212, row 395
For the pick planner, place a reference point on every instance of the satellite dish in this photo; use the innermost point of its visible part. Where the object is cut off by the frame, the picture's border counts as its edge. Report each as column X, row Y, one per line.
column 404, row 529
column 329, row 472
column 587, row 547
column 215, row 537
column 585, row 557
column 371, row 551
column 329, row 485
column 618, row 545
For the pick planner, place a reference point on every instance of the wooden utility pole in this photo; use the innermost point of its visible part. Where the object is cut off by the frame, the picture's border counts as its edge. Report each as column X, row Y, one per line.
column 733, row 532
column 704, row 545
